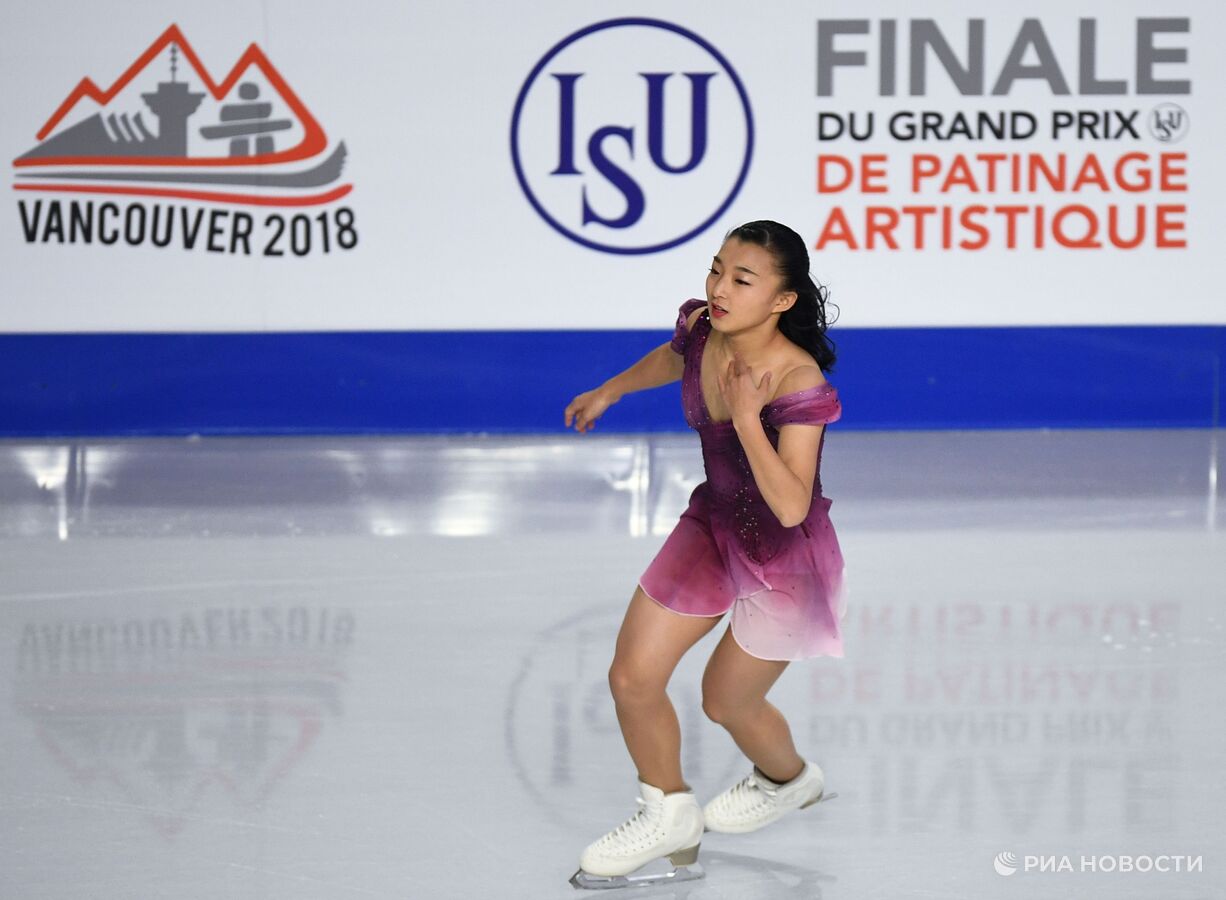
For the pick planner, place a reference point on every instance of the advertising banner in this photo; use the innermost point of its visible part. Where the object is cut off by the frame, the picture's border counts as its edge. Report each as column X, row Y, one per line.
column 434, row 166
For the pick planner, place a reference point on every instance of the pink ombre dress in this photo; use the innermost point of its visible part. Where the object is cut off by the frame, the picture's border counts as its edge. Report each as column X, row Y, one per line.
column 729, row 551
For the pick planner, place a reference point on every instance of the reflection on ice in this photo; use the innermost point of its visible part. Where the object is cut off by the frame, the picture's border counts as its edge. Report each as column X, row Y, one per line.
column 175, row 710
column 1034, row 654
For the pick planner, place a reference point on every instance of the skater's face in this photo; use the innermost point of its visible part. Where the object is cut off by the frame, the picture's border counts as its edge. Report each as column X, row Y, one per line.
column 744, row 282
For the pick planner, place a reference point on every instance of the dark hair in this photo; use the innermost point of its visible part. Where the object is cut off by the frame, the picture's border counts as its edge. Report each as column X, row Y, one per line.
column 805, row 323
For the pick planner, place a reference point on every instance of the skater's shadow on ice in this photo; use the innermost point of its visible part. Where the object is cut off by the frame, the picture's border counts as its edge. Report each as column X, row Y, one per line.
column 756, row 876
column 745, row 877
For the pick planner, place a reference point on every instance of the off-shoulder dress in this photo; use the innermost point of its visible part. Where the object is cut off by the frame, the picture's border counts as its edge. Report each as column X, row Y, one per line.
column 784, row 585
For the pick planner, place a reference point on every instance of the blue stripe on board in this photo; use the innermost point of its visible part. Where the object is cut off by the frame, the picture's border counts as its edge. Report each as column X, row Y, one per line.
column 520, row 381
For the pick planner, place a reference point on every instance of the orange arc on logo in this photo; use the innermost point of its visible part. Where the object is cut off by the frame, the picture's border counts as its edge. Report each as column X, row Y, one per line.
column 213, row 196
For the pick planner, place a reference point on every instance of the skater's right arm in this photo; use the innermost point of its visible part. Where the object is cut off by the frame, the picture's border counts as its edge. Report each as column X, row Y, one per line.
column 661, row 366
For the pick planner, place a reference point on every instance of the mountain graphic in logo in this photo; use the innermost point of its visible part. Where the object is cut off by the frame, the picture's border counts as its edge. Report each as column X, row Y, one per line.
column 242, row 140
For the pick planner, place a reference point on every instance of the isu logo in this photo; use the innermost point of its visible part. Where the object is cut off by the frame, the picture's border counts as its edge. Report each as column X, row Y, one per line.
column 631, row 135
column 165, row 129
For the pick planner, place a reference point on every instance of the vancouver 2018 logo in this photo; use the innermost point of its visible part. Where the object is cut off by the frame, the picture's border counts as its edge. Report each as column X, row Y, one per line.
column 245, row 142
column 632, row 135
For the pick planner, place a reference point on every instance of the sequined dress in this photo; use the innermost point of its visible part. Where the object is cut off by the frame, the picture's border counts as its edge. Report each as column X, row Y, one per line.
column 728, row 550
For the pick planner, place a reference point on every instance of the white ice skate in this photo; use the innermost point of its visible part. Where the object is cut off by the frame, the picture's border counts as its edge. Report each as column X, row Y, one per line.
column 756, row 801
column 666, row 825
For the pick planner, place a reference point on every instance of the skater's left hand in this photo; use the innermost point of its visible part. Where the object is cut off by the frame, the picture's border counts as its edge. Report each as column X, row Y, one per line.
column 742, row 396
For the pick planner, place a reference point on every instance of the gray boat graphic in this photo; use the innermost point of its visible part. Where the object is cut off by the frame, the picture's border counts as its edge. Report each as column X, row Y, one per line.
column 326, row 172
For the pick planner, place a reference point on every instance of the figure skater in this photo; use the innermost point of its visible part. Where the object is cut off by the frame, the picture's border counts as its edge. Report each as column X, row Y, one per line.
column 755, row 539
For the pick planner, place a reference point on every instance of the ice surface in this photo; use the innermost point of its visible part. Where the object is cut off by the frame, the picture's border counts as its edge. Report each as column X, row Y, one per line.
column 376, row 667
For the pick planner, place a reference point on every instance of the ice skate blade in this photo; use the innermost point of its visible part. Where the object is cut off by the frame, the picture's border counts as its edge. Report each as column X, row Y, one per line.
column 819, row 798
column 582, row 879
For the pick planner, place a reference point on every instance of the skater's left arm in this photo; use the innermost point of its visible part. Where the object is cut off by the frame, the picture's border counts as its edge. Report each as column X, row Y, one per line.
column 784, row 477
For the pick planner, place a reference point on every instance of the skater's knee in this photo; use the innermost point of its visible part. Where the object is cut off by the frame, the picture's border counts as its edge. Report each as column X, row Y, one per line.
column 722, row 709
column 631, row 685
column 713, row 707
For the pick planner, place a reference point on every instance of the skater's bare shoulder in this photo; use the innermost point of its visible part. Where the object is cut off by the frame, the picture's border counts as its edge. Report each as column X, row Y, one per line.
column 801, row 376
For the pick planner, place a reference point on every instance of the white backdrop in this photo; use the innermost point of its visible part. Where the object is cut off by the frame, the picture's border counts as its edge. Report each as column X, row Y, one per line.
column 422, row 95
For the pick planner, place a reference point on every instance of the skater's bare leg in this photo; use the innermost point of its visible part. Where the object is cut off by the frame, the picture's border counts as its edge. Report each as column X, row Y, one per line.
column 734, row 690
column 651, row 642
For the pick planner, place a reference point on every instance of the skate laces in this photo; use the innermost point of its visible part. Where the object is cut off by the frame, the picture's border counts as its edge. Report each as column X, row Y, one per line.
column 637, row 826
column 750, row 793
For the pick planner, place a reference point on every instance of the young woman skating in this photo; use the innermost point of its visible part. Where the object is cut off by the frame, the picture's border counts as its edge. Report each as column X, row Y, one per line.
column 756, row 540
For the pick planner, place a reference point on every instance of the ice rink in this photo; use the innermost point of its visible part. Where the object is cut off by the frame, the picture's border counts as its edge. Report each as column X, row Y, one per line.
column 376, row 667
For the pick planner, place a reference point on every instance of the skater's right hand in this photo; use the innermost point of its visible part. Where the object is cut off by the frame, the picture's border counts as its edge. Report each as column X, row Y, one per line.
column 587, row 408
